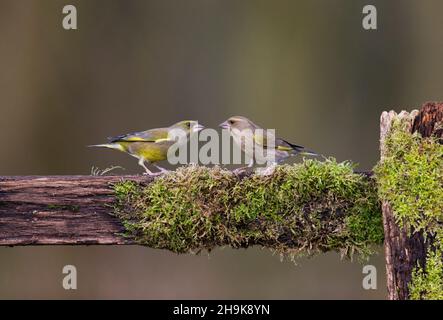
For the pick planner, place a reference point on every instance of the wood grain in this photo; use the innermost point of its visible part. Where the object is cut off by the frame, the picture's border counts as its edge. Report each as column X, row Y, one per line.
column 59, row 210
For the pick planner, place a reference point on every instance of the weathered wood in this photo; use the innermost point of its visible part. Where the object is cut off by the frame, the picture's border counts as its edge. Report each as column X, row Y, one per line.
column 402, row 253
column 429, row 121
column 66, row 210
column 59, row 210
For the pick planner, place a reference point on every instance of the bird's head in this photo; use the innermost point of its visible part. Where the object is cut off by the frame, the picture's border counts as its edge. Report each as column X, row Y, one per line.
column 238, row 123
column 189, row 126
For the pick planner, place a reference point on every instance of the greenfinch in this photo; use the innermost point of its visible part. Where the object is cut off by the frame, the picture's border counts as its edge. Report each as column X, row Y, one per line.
column 242, row 129
column 152, row 145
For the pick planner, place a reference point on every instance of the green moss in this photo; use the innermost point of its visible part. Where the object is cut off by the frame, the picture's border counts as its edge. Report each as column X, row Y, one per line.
column 72, row 208
column 428, row 284
column 302, row 208
column 410, row 178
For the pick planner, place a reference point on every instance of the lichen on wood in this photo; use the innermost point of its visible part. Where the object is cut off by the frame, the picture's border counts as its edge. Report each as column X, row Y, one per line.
column 298, row 209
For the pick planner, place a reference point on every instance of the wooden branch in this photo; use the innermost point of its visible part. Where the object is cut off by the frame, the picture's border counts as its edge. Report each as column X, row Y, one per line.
column 63, row 210
column 59, row 210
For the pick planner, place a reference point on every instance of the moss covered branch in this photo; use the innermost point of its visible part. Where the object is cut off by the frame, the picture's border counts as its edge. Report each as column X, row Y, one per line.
column 304, row 208
column 301, row 208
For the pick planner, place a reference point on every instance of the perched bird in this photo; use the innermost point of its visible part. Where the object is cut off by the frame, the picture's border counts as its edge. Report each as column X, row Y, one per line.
column 152, row 145
column 242, row 130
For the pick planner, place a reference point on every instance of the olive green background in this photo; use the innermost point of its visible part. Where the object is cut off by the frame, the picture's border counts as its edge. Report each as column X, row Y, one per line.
column 306, row 68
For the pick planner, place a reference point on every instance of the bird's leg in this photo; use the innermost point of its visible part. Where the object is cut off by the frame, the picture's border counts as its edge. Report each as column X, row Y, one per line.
column 148, row 172
column 242, row 169
column 162, row 170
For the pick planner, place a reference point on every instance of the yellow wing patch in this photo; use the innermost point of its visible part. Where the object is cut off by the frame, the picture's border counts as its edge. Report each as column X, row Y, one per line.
column 282, row 148
column 134, row 139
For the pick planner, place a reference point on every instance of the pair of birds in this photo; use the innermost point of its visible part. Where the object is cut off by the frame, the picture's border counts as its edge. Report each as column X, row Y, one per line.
column 151, row 146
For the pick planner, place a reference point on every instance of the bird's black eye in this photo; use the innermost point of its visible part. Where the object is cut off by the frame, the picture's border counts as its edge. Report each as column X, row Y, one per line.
column 231, row 122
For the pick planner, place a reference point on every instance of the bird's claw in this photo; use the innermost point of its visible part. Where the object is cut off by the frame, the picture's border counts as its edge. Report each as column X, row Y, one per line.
column 239, row 170
column 267, row 171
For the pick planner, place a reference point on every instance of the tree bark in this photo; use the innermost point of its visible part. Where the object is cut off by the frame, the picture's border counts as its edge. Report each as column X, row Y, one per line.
column 59, row 210
column 403, row 253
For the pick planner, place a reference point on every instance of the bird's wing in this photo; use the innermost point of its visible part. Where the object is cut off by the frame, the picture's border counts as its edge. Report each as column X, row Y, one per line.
column 153, row 135
column 284, row 145
column 261, row 138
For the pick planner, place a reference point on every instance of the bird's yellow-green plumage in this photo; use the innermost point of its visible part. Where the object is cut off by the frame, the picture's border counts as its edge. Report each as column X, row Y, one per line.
column 152, row 145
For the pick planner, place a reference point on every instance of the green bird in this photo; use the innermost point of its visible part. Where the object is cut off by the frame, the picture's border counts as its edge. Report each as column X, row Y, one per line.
column 152, row 145
column 242, row 130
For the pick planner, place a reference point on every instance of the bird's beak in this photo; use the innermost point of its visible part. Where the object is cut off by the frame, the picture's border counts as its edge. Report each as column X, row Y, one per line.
column 198, row 127
column 224, row 125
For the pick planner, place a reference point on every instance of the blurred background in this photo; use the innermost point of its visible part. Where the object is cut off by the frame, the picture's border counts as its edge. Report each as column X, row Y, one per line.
column 306, row 68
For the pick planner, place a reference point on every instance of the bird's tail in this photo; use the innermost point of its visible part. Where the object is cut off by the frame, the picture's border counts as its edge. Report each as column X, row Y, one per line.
column 115, row 146
column 308, row 153
column 303, row 151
